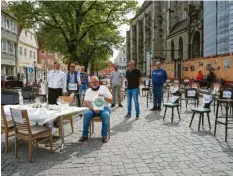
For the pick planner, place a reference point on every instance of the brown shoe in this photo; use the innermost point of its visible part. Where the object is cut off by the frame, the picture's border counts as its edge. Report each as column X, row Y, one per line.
column 104, row 139
column 83, row 138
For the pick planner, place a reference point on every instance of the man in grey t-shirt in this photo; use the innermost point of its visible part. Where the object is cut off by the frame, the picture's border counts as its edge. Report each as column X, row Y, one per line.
column 116, row 84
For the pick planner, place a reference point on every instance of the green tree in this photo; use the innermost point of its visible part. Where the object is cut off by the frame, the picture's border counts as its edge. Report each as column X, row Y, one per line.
column 76, row 29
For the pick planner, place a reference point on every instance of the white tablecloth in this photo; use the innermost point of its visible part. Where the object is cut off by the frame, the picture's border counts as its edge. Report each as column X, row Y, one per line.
column 43, row 115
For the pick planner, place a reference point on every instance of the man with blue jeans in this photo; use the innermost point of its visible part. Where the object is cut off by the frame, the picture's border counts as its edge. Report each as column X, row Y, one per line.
column 91, row 94
column 134, row 80
column 159, row 77
column 83, row 81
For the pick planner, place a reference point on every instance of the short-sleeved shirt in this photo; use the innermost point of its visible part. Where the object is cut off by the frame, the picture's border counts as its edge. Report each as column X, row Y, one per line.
column 116, row 77
column 133, row 78
column 90, row 95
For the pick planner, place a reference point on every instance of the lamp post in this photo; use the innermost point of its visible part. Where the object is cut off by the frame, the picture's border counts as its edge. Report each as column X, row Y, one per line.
column 35, row 70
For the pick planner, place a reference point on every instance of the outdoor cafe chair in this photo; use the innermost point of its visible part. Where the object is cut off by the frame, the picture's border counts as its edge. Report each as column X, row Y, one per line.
column 69, row 100
column 207, row 99
column 7, row 127
column 147, row 85
column 189, row 94
column 32, row 134
column 97, row 119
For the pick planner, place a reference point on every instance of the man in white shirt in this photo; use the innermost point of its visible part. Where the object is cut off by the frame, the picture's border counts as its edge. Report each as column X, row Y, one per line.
column 93, row 95
column 56, row 83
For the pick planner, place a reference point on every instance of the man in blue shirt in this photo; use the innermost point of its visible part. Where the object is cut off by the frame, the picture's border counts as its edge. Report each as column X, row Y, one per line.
column 159, row 77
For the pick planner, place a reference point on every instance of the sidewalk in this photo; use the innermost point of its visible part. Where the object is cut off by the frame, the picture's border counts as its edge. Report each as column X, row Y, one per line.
column 147, row 147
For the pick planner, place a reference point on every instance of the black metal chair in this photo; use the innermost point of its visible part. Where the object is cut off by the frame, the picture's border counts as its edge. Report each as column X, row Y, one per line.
column 202, row 111
column 190, row 94
column 147, row 84
column 173, row 105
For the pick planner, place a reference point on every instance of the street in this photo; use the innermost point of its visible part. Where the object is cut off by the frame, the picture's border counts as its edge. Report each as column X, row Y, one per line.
column 147, row 146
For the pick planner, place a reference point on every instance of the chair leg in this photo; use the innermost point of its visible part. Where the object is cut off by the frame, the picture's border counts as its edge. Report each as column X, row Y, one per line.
column 180, row 104
column 172, row 114
column 164, row 113
column 209, row 120
column 90, row 132
column 51, row 141
column 16, row 147
column 186, row 104
column 6, row 141
column 199, row 123
column 215, row 126
column 30, row 150
column 192, row 119
column 71, row 123
column 59, row 128
column 92, row 128
column 178, row 112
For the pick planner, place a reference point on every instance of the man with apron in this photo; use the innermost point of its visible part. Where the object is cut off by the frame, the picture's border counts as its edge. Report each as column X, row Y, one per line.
column 73, row 79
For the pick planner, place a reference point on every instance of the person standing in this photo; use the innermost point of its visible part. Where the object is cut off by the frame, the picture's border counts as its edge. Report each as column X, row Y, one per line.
column 159, row 77
column 73, row 79
column 18, row 76
column 116, row 84
column 83, row 81
column 134, row 80
column 56, row 83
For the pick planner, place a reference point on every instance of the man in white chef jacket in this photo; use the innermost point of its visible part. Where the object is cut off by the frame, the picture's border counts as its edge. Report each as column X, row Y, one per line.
column 98, row 98
column 56, row 83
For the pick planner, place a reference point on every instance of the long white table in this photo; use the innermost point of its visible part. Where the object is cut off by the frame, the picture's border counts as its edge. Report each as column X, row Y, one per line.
column 44, row 115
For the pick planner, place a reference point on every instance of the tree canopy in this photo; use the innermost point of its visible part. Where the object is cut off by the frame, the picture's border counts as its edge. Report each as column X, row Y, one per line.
column 79, row 30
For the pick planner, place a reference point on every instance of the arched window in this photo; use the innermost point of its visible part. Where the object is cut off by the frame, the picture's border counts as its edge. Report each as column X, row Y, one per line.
column 180, row 48
column 196, row 45
column 172, row 50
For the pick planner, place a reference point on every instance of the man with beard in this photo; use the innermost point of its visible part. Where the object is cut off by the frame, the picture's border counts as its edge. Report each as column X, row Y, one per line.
column 90, row 96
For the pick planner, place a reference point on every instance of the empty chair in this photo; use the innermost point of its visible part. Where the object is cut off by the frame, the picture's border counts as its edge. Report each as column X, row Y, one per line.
column 147, row 84
column 24, row 131
column 190, row 94
column 7, row 128
column 207, row 99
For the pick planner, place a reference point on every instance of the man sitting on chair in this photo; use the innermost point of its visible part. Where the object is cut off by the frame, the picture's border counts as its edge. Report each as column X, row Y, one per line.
column 97, row 91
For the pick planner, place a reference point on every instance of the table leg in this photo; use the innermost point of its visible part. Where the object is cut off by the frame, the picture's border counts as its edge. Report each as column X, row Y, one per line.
column 62, row 134
column 227, row 108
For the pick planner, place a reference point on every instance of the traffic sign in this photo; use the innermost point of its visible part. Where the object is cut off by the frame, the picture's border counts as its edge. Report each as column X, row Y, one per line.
column 30, row 70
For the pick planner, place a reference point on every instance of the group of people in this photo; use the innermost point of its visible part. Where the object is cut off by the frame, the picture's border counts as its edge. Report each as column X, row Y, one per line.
column 206, row 81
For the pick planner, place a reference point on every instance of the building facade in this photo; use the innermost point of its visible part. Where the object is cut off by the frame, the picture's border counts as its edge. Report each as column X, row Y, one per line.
column 27, row 54
column 9, row 40
column 120, row 60
column 165, row 31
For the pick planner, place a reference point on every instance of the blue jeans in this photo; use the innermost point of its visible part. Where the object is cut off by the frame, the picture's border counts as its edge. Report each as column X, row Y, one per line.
column 83, row 87
column 157, row 95
column 133, row 93
column 105, row 116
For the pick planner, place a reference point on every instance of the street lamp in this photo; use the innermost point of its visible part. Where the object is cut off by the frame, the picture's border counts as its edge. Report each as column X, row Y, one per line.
column 35, row 70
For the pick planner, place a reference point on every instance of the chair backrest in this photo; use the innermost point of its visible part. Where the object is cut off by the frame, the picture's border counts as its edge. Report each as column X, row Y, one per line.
column 3, row 118
column 21, row 121
column 191, row 93
column 195, row 85
column 147, row 83
column 226, row 94
column 67, row 99
column 207, row 100
column 216, row 87
column 186, row 80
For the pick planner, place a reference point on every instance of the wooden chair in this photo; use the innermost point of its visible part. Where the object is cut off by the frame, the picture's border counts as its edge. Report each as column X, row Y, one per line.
column 97, row 119
column 7, row 127
column 24, row 131
column 69, row 100
column 172, row 105
column 201, row 111
column 195, row 85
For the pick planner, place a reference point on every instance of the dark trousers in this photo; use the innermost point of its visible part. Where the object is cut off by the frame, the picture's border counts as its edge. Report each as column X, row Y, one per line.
column 76, row 95
column 157, row 95
column 53, row 95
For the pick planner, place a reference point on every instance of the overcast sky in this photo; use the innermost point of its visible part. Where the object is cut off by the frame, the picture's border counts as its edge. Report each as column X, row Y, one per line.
column 123, row 30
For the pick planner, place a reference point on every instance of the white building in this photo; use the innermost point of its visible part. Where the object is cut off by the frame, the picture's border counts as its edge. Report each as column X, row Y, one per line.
column 121, row 61
column 8, row 41
column 27, row 54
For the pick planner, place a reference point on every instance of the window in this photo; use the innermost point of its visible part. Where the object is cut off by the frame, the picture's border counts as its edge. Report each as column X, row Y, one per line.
column 10, row 47
column 13, row 26
column 34, row 55
column 8, row 24
column 3, row 21
column 30, row 54
column 120, row 59
column 20, row 51
column 124, row 59
column 4, row 48
column 26, row 34
column 25, row 52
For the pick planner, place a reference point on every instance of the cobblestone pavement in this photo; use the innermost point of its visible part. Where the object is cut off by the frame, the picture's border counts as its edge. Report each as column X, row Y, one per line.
column 144, row 147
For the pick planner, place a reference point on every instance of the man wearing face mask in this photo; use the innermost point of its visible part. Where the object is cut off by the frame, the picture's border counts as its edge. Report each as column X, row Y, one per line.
column 90, row 96
column 116, row 84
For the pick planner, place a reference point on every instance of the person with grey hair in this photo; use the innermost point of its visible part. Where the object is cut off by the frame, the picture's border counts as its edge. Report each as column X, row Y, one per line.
column 159, row 77
column 116, row 84
column 91, row 100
